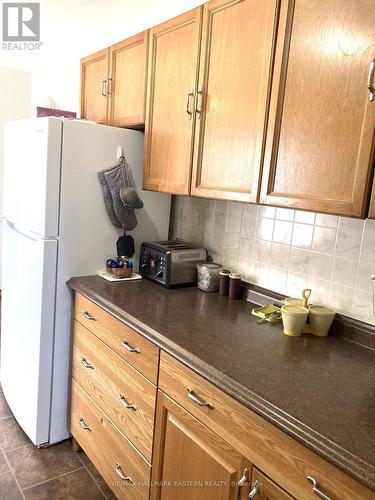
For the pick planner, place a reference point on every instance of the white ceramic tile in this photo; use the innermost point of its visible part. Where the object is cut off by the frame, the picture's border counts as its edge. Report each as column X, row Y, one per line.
column 233, row 223
column 277, row 279
column 245, row 269
column 349, row 237
column 319, row 290
column 326, row 220
column 299, row 260
column 220, row 220
column 321, row 265
column 264, row 211
column 324, row 239
column 362, row 307
column 302, row 235
column 248, row 226
column 284, row 214
column 246, row 248
column 221, row 206
column 260, row 273
column 230, row 259
column 365, row 271
column 262, row 251
column 250, row 209
column 344, row 271
column 282, row 232
column 279, row 255
column 295, row 284
column 265, row 228
column 368, row 243
column 235, row 208
column 304, row 217
column 340, row 297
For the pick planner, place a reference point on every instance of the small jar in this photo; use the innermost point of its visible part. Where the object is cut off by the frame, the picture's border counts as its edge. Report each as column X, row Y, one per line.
column 208, row 276
column 234, row 286
column 224, row 282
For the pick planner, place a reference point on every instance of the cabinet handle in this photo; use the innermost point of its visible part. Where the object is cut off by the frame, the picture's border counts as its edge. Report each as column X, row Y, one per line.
column 86, row 364
column 316, row 490
column 123, row 476
column 198, row 103
column 88, row 316
column 242, row 481
column 103, row 88
column 126, row 403
column 190, row 114
column 370, row 81
column 83, row 424
column 130, row 348
column 255, row 490
column 109, row 86
column 191, row 395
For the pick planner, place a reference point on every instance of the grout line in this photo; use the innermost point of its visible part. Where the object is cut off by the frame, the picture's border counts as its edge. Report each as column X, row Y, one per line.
column 91, row 475
column 52, row 479
column 8, row 416
column 13, row 474
column 17, row 447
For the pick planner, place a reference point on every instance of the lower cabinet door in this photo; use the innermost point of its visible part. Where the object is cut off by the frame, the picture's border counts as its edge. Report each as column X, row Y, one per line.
column 121, row 465
column 262, row 488
column 192, row 462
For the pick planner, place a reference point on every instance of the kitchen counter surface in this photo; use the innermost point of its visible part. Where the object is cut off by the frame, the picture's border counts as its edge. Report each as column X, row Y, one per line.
column 320, row 391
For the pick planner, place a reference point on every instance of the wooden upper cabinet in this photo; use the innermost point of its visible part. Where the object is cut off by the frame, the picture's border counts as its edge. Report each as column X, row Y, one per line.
column 321, row 127
column 94, row 74
column 172, row 76
column 234, row 75
column 127, row 83
column 193, row 462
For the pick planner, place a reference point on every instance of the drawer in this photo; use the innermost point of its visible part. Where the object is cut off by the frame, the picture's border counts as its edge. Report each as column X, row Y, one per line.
column 263, row 487
column 121, row 392
column 111, row 453
column 282, row 458
column 126, row 342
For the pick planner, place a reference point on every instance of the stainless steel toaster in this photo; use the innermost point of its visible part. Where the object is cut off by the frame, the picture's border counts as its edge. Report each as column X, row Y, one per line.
column 171, row 263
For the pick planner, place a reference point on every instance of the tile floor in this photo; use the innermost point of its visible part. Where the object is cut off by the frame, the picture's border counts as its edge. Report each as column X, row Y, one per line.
column 55, row 473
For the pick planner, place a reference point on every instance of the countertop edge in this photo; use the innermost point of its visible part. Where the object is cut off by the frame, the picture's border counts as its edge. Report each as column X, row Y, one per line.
column 316, row 442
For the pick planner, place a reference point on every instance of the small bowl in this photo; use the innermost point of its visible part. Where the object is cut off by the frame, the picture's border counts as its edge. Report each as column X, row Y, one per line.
column 294, row 319
column 120, row 272
column 321, row 319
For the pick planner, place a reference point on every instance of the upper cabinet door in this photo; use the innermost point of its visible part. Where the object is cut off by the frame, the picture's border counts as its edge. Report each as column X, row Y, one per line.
column 321, row 126
column 231, row 103
column 127, row 84
column 94, row 83
column 173, row 64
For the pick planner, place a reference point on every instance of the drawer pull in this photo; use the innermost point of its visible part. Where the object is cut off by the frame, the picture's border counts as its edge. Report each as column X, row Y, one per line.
column 129, row 347
column 191, row 395
column 316, row 490
column 83, row 424
column 126, row 403
column 255, row 490
column 123, row 476
column 86, row 364
column 88, row 316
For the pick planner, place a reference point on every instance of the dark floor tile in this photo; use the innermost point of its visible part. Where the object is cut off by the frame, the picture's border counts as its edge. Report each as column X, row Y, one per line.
column 91, row 468
column 32, row 465
column 8, row 487
column 5, row 411
column 11, row 434
column 108, row 493
column 74, row 486
column 3, row 465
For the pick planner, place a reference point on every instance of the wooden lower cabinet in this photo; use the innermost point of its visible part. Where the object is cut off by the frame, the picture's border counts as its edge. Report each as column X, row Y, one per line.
column 120, row 464
column 263, row 488
column 192, row 462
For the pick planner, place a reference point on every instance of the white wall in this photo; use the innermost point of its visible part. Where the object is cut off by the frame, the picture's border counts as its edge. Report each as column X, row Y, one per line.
column 71, row 29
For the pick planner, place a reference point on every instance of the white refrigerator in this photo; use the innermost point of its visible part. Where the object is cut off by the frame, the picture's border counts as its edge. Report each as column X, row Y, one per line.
column 56, row 226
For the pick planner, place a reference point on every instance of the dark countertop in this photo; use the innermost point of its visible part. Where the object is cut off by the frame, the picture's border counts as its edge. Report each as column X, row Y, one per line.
column 320, row 391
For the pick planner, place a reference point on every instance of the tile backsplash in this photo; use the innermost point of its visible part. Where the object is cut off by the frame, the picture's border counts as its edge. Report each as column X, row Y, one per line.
column 286, row 250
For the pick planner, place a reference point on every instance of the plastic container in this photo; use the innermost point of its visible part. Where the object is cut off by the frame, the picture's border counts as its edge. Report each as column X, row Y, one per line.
column 321, row 318
column 208, row 276
column 224, row 282
column 294, row 319
column 293, row 301
column 234, row 285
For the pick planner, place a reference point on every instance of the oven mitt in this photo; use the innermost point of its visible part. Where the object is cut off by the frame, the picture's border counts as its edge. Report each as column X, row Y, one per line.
column 114, row 179
column 108, row 200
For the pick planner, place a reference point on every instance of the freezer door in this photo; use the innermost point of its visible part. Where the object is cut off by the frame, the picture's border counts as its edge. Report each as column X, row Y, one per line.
column 32, row 151
column 27, row 329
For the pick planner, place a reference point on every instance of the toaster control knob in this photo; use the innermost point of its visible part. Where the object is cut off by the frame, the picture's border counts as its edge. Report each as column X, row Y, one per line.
column 160, row 274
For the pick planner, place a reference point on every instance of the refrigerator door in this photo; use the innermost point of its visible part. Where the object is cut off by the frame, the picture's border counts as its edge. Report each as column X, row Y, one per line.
column 32, row 150
column 27, row 326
